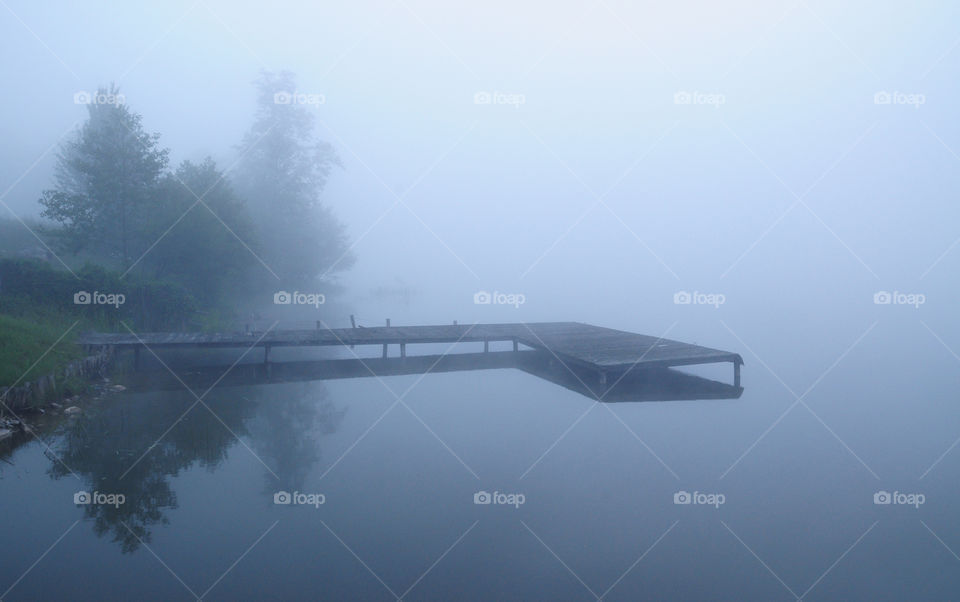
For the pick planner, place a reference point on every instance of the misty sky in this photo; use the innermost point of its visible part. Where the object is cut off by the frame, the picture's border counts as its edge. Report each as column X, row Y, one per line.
column 777, row 181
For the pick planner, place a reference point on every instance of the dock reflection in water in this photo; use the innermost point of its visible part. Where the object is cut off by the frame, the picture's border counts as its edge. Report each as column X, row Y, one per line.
column 636, row 384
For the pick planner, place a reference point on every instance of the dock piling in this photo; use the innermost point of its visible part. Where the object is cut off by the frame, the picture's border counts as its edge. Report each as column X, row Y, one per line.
column 385, row 345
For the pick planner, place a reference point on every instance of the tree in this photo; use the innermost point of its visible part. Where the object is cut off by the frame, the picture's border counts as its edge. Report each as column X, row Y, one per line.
column 283, row 170
column 106, row 182
column 205, row 246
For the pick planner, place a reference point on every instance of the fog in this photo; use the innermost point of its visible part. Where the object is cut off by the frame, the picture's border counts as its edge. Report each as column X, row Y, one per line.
column 788, row 168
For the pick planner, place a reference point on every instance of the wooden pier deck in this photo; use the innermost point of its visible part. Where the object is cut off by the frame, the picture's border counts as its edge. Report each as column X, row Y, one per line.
column 604, row 351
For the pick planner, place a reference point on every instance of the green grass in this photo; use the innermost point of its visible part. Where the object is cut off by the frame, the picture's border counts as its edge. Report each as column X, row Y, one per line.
column 23, row 342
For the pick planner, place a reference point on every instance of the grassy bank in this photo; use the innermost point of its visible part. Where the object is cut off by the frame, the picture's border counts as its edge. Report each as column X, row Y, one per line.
column 39, row 303
column 23, row 342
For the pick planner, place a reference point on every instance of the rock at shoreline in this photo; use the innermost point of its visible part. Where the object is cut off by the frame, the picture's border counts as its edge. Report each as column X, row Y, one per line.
column 72, row 410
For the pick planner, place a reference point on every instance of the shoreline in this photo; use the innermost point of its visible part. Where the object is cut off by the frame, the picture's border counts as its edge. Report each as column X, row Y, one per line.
column 49, row 393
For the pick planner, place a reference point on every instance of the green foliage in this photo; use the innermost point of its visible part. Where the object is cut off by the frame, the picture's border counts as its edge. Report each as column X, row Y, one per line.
column 115, row 201
column 182, row 240
column 34, row 290
column 208, row 250
column 106, row 183
column 23, row 342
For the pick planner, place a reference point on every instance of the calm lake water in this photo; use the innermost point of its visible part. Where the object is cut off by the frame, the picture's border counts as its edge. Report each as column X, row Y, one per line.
column 584, row 495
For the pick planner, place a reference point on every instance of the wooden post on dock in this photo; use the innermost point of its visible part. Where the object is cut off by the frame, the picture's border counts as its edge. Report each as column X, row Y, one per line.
column 403, row 350
column 736, row 374
column 516, row 346
column 486, row 346
column 385, row 345
column 353, row 323
column 266, row 354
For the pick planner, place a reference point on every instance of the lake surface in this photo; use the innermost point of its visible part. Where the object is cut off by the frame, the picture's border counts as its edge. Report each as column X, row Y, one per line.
column 584, row 495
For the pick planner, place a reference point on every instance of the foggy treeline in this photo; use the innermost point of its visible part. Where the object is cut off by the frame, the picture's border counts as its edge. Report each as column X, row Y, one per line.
column 226, row 235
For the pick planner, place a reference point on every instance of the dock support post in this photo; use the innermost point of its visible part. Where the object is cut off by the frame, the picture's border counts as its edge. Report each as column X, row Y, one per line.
column 516, row 346
column 736, row 374
column 385, row 345
column 318, row 324
column 486, row 346
column 403, row 350
column 266, row 354
column 353, row 323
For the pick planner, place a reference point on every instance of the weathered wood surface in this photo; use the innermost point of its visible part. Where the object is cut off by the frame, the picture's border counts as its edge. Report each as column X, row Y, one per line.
column 582, row 344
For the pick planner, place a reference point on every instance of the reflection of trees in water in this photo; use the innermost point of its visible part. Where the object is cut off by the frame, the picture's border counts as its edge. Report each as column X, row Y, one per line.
column 286, row 430
column 101, row 446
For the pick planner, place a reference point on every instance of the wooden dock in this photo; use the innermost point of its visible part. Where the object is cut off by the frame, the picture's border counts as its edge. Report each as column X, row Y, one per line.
column 602, row 351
